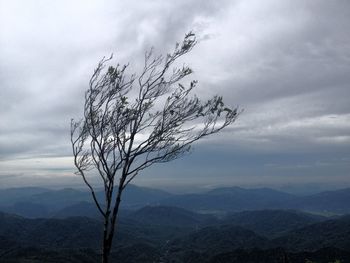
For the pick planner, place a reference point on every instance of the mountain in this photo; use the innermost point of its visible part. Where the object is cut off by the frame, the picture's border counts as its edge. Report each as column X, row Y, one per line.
column 209, row 241
column 236, row 199
column 170, row 216
column 58, row 199
column 41, row 202
column 216, row 238
column 278, row 255
column 44, row 255
column 149, row 235
column 136, row 253
column 230, row 199
column 272, row 223
column 27, row 209
column 12, row 226
column 135, row 197
column 275, row 255
column 83, row 209
column 325, row 202
column 74, row 232
column 330, row 233
column 12, row 195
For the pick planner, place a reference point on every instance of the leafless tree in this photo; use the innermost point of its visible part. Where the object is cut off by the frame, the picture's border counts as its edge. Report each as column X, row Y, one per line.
column 133, row 121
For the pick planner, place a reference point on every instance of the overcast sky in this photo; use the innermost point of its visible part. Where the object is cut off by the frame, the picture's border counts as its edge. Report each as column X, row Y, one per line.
column 286, row 62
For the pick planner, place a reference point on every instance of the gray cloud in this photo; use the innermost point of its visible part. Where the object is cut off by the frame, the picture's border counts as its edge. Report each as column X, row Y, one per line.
column 287, row 63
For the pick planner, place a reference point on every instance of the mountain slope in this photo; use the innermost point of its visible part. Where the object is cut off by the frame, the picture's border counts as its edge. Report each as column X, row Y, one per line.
column 325, row 202
column 41, row 202
column 169, row 216
column 11, row 196
column 230, row 199
column 330, row 233
column 137, row 197
column 74, row 232
column 272, row 223
column 279, row 255
column 84, row 209
column 209, row 241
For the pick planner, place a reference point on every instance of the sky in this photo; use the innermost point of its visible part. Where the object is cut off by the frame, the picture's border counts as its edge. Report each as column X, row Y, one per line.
column 286, row 63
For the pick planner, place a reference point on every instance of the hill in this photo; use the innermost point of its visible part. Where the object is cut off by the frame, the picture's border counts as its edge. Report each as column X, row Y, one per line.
column 84, row 209
column 149, row 235
column 170, row 216
column 41, row 202
column 230, row 199
column 328, row 202
column 204, row 243
column 279, row 255
column 12, row 195
column 330, row 233
column 272, row 223
column 236, row 199
column 74, row 232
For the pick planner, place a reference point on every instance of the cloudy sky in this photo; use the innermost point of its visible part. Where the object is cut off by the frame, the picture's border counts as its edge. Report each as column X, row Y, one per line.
column 287, row 63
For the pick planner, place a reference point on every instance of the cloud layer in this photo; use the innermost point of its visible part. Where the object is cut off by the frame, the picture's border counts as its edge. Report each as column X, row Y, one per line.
column 287, row 63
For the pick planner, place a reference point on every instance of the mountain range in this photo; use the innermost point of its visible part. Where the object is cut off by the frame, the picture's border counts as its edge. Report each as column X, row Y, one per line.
column 170, row 234
column 47, row 203
column 221, row 225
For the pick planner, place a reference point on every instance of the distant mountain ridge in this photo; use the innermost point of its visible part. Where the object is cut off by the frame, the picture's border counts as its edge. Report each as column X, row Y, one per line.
column 41, row 202
column 236, row 199
column 329, row 201
column 230, row 199
column 170, row 216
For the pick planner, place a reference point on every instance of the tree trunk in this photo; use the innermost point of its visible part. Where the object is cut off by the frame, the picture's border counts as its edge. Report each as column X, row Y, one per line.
column 106, row 251
column 105, row 246
column 109, row 229
column 105, row 255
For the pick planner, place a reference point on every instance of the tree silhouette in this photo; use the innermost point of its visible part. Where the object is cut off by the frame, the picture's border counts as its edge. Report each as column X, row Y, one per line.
column 133, row 121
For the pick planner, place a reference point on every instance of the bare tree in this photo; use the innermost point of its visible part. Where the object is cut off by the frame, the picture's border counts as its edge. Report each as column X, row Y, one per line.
column 132, row 122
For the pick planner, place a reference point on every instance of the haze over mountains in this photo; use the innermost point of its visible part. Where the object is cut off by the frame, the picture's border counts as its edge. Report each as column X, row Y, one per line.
column 221, row 225
column 42, row 202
